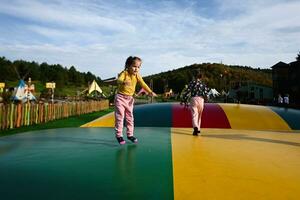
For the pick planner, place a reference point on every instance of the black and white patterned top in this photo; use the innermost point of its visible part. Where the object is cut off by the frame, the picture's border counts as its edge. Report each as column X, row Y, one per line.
column 196, row 88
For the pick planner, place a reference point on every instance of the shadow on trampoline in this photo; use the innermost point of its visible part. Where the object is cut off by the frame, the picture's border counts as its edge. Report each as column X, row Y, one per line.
column 245, row 137
column 238, row 137
column 41, row 139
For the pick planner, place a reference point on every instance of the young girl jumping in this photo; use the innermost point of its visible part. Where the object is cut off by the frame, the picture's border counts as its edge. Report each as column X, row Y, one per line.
column 124, row 100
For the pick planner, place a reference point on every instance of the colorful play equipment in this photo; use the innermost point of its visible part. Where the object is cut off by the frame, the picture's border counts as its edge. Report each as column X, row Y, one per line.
column 168, row 94
column 244, row 152
column 93, row 90
column 215, row 115
column 23, row 92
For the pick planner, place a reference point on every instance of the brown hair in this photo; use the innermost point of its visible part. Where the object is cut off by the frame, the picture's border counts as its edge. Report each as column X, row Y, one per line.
column 130, row 60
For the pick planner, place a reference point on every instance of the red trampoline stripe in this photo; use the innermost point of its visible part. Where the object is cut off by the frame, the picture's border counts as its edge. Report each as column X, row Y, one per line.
column 181, row 116
column 213, row 116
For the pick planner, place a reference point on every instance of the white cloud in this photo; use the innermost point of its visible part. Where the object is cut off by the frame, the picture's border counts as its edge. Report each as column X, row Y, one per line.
column 63, row 14
column 98, row 37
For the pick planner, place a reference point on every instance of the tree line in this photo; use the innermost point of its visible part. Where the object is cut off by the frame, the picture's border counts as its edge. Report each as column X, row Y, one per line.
column 62, row 76
column 216, row 75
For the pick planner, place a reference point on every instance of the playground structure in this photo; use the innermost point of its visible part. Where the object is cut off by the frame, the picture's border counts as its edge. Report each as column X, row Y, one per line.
column 24, row 92
column 93, row 91
column 244, row 152
column 168, row 94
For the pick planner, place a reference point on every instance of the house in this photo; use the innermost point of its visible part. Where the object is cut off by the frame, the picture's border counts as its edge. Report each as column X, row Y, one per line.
column 286, row 80
column 250, row 92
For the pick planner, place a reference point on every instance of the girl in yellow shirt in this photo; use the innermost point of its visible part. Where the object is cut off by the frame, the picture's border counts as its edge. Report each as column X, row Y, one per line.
column 124, row 100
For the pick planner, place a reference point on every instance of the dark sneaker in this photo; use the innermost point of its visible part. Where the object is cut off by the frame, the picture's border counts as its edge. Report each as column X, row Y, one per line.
column 121, row 140
column 132, row 139
column 196, row 131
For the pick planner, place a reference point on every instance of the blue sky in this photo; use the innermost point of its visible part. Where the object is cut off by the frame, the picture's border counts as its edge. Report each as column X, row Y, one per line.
column 98, row 36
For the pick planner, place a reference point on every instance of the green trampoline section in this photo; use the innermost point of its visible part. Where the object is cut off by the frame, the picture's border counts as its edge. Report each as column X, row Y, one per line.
column 76, row 163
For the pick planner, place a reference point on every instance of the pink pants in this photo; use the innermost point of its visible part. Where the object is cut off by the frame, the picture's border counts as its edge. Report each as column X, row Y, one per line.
column 124, row 108
column 197, row 105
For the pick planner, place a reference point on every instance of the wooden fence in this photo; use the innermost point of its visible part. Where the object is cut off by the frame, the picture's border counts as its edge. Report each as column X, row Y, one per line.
column 17, row 115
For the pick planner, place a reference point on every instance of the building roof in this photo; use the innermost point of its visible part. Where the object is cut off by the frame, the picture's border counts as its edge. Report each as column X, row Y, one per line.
column 295, row 64
column 280, row 65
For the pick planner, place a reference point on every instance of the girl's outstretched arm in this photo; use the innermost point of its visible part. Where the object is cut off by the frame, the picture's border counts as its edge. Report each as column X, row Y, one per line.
column 143, row 84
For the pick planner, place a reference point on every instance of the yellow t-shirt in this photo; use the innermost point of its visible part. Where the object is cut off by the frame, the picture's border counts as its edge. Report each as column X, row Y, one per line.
column 133, row 79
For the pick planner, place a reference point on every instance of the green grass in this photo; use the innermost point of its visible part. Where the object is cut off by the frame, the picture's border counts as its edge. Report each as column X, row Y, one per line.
column 74, row 121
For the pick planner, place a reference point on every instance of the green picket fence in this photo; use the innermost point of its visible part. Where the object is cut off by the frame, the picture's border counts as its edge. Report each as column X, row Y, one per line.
column 17, row 115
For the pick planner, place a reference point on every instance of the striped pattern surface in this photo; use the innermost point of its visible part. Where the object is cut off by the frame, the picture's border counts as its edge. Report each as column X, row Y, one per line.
column 234, row 116
column 244, row 152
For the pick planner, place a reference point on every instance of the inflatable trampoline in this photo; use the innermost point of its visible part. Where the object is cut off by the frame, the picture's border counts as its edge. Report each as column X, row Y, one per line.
column 244, row 152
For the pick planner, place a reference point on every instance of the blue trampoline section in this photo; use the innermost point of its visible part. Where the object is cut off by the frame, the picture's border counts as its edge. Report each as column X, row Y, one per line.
column 153, row 115
column 290, row 115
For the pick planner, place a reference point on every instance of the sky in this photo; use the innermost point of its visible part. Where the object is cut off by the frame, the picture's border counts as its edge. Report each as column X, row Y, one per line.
column 98, row 36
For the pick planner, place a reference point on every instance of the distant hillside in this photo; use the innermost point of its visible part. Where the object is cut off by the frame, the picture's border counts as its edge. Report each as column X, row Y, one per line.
column 217, row 76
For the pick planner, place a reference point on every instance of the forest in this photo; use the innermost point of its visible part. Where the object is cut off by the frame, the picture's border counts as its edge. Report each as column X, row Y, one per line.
column 62, row 76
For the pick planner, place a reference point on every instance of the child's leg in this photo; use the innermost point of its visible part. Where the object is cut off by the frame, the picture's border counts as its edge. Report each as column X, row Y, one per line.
column 200, row 103
column 120, row 103
column 194, row 111
column 129, row 117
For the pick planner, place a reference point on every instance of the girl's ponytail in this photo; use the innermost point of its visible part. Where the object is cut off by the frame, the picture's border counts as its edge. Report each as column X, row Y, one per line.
column 128, row 62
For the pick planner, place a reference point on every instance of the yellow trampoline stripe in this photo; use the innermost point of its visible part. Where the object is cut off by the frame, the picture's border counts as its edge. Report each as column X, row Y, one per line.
column 104, row 121
column 235, row 164
column 251, row 117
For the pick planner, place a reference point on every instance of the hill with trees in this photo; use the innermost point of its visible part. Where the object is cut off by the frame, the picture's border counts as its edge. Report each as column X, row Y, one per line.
column 216, row 75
